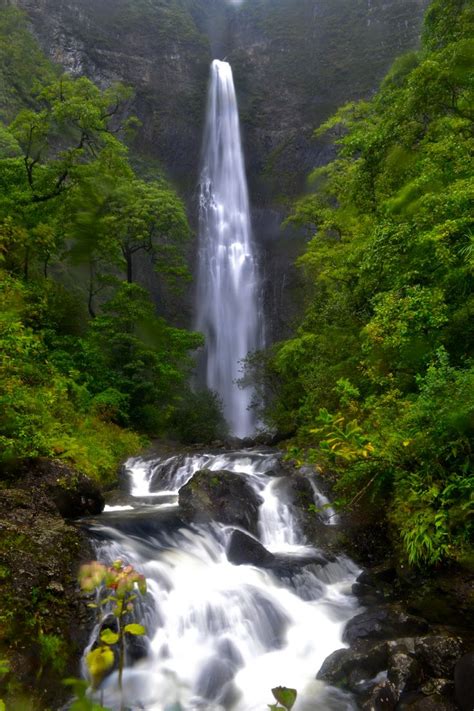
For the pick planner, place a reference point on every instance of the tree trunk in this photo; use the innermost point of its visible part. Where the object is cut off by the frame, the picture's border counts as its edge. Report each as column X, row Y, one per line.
column 129, row 268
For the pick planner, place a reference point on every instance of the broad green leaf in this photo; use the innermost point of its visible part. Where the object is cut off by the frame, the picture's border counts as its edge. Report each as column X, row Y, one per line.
column 284, row 696
column 109, row 637
column 99, row 661
column 135, row 629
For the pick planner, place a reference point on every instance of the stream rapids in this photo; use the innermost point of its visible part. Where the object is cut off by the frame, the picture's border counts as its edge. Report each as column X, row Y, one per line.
column 221, row 636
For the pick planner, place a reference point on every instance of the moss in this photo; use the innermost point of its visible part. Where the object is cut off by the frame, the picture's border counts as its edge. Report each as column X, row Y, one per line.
column 42, row 621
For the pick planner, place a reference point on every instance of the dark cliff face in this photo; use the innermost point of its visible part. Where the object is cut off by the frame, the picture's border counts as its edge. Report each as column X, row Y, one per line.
column 152, row 45
column 294, row 61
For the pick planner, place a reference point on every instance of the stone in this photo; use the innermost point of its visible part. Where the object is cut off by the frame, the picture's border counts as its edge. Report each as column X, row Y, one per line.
column 464, row 682
column 301, row 491
column 368, row 657
column 444, row 687
column 245, row 550
column 368, row 595
column 213, row 678
column 81, row 497
column 438, row 654
column 427, row 703
column 220, row 496
column 404, row 670
column 383, row 622
column 383, row 697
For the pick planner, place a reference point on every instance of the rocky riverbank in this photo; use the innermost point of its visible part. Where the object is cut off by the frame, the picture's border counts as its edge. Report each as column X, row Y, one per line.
column 410, row 646
column 43, row 621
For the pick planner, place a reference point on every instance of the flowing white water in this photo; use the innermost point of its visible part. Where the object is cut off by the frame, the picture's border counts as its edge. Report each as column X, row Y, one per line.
column 221, row 636
column 228, row 310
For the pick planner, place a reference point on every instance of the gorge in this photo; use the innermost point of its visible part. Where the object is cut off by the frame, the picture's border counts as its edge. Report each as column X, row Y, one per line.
column 294, row 61
column 313, row 529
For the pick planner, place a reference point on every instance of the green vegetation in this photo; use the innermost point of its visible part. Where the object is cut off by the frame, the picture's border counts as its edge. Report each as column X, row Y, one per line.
column 85, row 362
column 378, row 381
column 198, row 419
column 286, row 697
column 117, row 587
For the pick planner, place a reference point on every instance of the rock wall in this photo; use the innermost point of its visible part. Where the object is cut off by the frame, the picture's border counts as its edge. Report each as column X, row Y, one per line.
column 151, row 45
column 295, row 61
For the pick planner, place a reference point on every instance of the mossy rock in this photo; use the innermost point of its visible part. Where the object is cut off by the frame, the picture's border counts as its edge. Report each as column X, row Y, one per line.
column 43, row 621
column 220, row 496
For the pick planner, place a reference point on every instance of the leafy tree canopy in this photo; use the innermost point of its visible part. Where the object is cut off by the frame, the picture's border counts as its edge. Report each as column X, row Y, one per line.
column 378, row 379
column 83, row 354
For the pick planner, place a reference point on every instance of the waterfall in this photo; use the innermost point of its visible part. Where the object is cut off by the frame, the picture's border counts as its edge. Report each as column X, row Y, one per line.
column 227, row 293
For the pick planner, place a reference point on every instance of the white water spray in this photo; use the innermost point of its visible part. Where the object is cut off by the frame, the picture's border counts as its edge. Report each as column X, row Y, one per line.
column 227, row 295
column 221, row 636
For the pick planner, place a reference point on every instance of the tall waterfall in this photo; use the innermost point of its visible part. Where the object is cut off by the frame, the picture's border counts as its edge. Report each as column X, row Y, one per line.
column 228, row 311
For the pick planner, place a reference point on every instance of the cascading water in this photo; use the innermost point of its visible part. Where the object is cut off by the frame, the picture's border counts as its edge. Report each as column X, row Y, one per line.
column 221, row 636
column 227, row 294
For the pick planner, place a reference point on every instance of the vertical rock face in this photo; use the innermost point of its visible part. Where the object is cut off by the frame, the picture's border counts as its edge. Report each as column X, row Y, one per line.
column 151, row 45
column 298, row 60
column 294, row 62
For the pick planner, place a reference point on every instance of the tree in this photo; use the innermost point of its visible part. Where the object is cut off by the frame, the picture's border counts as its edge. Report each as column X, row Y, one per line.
column 73, row 127
column 390, row 297
column 147, row 217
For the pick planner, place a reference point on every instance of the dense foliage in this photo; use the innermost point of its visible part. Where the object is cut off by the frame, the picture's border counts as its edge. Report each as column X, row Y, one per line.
column 85, row 362
column 378, row 379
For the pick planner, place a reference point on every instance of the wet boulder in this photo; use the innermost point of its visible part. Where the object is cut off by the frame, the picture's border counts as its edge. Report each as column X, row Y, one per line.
column 383, row 697
column 367, row 594
column 245, row 550
column 220, row 496
column 404, row 670
column 383, row 622
column 213, row 677
column 364, row 659
column 81, row 497
column 301, row 491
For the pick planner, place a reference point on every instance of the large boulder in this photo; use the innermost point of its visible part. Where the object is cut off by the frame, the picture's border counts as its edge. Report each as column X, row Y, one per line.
column 77, row 498
column 438, row 654
column 245, row 550
column 383, row 622
column 301, row 491
column 365, row 659
column 220, row 496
